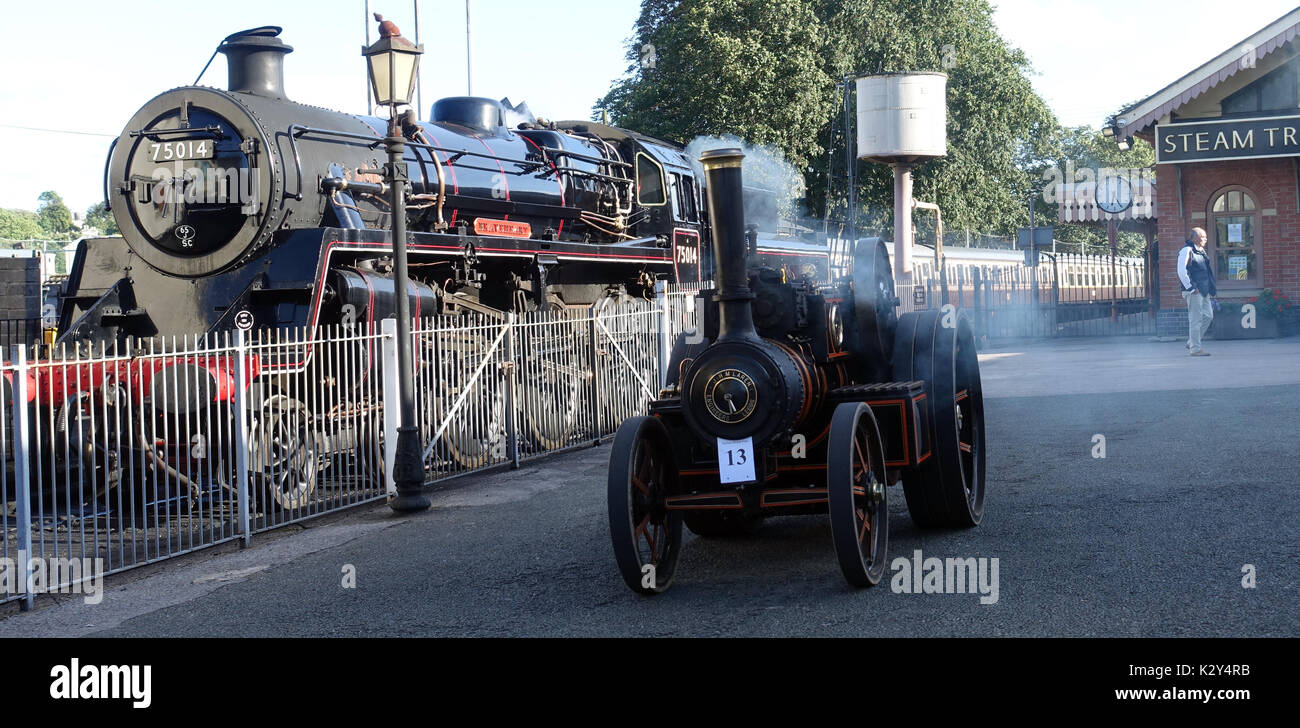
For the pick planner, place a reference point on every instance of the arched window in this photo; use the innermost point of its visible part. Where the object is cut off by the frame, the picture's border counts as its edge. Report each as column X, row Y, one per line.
column 1234, row 238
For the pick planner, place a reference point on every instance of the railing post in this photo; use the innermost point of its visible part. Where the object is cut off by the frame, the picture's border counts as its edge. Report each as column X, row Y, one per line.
column 391, row 399
column 595, row 375
column 512, row 429
column 1056, row 300
column 241, row 436
column 665, row 324
column 22, row 473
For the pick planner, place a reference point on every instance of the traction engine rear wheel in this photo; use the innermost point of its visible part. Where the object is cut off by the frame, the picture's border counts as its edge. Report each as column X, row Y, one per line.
column 858, row 503
column 642, row 471
column 947, row 490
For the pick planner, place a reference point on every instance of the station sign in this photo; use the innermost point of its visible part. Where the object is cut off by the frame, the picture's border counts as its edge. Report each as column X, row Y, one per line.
column 1201, row 141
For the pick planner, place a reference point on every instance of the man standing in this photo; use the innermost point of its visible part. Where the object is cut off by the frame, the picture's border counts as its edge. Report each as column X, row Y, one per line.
column 1197, row 277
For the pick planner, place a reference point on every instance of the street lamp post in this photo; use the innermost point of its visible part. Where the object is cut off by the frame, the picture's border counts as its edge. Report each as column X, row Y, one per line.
column 392, row 62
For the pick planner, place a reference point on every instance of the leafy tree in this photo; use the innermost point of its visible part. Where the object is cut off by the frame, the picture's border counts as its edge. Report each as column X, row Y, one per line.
column 20, row 225
column 99, row 217
column 996, row 122
column 767, row 71
column 752, row 68
column 54, row 216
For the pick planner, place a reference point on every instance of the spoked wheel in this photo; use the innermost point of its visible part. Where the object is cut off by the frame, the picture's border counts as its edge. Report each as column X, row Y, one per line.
column 647, row 537
column 722, row 524
column 948, row 489
column 284, row 454
column 370, row 449
column 626, row 373
column 476, row 434
column 552, row 387
column 859, row 506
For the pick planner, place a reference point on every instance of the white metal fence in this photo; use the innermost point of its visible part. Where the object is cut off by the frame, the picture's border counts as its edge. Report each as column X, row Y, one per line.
column 179, row 445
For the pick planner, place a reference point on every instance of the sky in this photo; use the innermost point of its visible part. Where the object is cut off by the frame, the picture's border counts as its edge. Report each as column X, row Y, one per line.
column 86, row 66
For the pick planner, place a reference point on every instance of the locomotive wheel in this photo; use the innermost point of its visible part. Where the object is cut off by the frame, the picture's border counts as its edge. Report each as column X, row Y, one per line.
column 477, row 434
column 948, row 489
column 642, row 471
column 871, row 337
column 722, row 524
column 370, row 449
column 552, row 393
column 858, row 502
column 626, row 372
column 284, row 453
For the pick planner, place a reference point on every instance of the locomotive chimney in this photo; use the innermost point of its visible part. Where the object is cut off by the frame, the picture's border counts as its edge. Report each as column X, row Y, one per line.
column 727, row 213
column 255, row 59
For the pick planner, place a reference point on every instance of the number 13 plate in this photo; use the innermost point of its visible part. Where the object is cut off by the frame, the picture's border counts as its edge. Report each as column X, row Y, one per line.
column 736, row 460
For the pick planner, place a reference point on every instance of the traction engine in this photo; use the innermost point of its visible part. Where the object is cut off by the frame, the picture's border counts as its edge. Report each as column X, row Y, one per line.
column 801, row 397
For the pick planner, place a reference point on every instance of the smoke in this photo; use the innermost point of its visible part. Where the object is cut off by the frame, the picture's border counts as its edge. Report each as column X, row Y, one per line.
column 764, row 167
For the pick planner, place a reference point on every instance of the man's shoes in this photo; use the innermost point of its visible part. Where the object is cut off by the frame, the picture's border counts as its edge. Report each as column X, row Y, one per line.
column 1187, row 345
column 1200, row 352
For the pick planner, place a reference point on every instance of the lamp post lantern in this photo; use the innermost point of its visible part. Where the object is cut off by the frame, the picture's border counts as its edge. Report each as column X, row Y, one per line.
column 392, row 62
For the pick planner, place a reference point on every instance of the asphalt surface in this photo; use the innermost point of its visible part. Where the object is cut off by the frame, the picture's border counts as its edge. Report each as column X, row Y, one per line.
column 1197, row 482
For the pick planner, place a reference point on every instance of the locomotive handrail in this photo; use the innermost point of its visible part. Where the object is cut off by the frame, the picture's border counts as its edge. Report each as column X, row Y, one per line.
column 586, row 158
column 213, row 130
column 108, row 204
column 298, row 130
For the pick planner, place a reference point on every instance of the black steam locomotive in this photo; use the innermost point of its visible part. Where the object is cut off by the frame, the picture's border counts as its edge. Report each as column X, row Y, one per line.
column 241, row 209
column 806, row 395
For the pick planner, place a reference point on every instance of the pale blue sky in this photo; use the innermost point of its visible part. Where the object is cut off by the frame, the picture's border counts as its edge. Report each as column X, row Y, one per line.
column 88, row 66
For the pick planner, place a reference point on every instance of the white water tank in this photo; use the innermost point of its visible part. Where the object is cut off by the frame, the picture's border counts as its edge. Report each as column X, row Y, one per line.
column 902, row 117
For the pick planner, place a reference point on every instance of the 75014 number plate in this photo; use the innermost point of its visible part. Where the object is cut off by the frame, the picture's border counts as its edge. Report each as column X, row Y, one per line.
column 182, row 149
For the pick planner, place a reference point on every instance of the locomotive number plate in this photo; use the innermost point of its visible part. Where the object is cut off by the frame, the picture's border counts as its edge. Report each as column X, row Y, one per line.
column 736, row 460
column 180, row 149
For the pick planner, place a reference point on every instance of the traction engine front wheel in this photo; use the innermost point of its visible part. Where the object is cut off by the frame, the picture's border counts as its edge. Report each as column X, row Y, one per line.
column 859, row 506
column 647, row 537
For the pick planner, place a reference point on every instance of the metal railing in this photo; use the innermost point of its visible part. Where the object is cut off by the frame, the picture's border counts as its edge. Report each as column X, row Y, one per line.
column 182, row 444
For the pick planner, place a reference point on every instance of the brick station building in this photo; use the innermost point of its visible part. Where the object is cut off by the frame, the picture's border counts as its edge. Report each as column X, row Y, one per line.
column 1227, row 140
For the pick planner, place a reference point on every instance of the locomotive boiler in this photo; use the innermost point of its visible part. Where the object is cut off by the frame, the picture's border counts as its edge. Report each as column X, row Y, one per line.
column 806, row 395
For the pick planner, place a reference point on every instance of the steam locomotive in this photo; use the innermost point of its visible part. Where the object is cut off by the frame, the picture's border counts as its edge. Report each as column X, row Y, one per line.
column 240, row 209
column 805, row 395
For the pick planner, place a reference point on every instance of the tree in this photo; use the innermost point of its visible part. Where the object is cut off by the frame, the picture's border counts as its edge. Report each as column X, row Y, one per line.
column 767, row 70
column 99, row 217
column 54, row 216
column 20, row 225
column 752, row 68
column 996, row 122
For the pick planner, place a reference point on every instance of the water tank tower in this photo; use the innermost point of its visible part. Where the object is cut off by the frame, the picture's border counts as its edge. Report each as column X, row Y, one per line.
column 902, row 122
